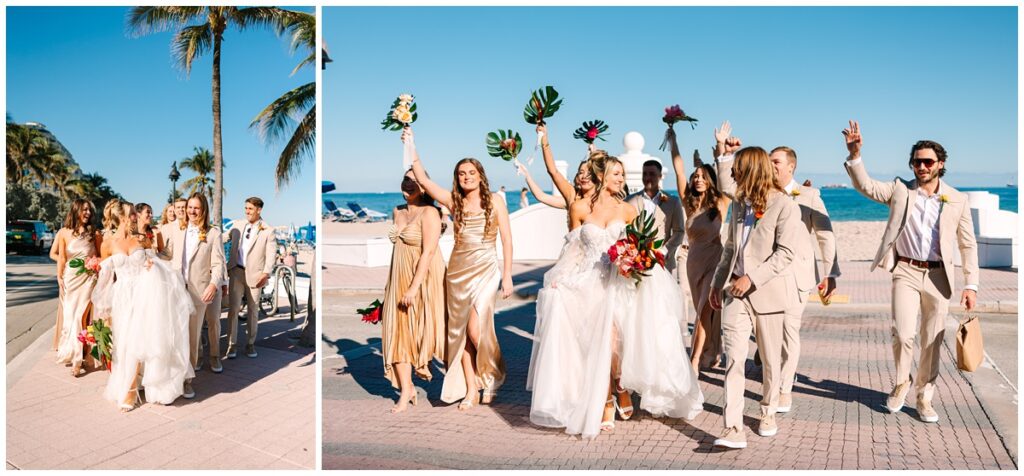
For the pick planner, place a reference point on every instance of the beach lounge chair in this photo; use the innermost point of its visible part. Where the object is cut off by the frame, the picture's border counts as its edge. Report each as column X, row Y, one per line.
column 366, row 214
column 337, row 214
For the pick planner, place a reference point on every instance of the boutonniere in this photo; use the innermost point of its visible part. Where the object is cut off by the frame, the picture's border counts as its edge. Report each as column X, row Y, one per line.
column 261, row 227
column 182, row 225
column 944, row 198
column 662, row 198
column 202, row 236
column 795, row 192
column 758, row 215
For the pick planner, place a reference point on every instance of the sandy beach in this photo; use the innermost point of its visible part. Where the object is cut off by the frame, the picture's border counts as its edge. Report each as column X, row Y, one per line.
column 856, row 240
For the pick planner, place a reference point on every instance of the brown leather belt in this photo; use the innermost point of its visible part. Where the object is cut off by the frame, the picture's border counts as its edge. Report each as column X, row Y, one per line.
column 920, row 264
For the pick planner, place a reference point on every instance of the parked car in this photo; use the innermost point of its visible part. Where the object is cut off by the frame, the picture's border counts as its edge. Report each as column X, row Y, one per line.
column 30, row 235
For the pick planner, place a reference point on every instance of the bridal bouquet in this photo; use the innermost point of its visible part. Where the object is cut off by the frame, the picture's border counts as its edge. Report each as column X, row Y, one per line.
column 590, row 131
column 402, row 113
column 88, row 266
column 372, row 313
column 543, row 103
column 100, row 338
column 504, row 145
column 674, row 114
column 637, row 253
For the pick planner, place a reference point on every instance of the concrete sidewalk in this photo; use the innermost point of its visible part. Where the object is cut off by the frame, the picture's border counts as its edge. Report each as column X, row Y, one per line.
column 258, row 414
column 837, row 422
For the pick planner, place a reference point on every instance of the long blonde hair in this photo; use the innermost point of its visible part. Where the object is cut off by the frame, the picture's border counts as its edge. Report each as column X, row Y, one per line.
column 163, row 214
column 458, row 195
column 599, row 166
column 110, row 222
column 757, row 177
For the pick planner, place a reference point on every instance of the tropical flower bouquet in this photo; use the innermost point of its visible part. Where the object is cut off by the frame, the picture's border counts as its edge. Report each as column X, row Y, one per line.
column 637, row 253
column 674, row 114
column 100, row 339
column 372, row 313
column 402, row 113
column 505, row 145
column 543, row 103
column 88, row 266
column 591, row 131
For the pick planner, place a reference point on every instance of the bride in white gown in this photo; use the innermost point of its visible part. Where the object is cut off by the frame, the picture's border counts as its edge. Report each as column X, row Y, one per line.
column 588, row 316
column 149, row 307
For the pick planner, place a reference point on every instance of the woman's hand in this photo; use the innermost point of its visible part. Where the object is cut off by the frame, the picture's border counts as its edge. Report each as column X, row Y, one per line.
column 407, row 136
column 542, row 128
column 409, row 297
column 715, row 299
column 506, row 286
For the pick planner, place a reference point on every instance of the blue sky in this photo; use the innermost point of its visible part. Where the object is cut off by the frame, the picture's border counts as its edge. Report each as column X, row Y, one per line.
column 781, row 75
column 123, row 110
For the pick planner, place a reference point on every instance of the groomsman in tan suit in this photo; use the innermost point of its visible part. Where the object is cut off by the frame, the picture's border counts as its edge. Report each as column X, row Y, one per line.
column 667, row 211
column 818, row 227
column 926, row 218
column 197, row 253
column 250, row 262
column 758, row 273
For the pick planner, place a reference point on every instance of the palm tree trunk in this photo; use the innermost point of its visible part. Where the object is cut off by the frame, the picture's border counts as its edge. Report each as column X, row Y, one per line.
column 218, row 153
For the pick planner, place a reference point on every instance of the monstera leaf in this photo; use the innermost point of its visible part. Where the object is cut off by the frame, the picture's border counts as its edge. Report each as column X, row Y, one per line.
column 543, row 103
column 504, row 144
column 590, row 131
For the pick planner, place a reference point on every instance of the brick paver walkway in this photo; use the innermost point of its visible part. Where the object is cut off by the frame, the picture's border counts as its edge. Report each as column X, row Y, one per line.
column 837, row 421
column 258, row 414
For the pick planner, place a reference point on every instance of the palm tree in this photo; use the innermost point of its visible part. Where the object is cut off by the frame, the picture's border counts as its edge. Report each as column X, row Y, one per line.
column 35, row 156
column 202, row 163
column 278, row 120
column 200, row 30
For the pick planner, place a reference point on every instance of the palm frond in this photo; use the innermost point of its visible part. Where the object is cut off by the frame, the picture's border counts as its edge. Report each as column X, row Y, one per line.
column 251, row 17
column 145, row 20
column 190, row 42
column 273, row 121
column 302, row 144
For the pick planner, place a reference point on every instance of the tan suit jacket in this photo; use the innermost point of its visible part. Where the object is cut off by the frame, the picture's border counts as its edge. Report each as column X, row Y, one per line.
column 816, row 222
column 262, row 250
column 955, row 222
column 774, row 244
column 668, row 217
column 205, row 262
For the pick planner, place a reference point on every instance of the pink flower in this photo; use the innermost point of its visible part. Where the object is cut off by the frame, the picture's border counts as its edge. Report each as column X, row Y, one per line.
column 83, row 336
column 93, row 264
column 592, row 133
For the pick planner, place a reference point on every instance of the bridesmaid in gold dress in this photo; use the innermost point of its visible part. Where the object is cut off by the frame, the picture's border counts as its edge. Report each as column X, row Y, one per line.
column 413, row 314
column 705, row 208
column 473, row 358
column 77, row 239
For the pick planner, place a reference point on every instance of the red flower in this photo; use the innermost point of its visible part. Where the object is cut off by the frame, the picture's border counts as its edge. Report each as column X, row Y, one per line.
column 592, row 133
column 84, row 336
column 509, row 145
column 758, row 214
column 373, row 316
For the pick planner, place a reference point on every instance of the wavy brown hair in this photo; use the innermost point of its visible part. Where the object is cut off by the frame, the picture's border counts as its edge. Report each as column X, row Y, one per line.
column 696, row 202
column 72, row 222
column 757, row 177
column 458, row 195
column 204, row 217
column 598, row 167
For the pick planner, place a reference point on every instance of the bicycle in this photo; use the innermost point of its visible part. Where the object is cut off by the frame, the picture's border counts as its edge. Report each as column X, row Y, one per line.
column 281, row 276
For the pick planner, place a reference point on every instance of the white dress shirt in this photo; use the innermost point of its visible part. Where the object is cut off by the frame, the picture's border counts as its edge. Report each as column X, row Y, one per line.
column 920, row 237
column 250, row 230
column 748, row 224
column 649, row 203
column 191, row 242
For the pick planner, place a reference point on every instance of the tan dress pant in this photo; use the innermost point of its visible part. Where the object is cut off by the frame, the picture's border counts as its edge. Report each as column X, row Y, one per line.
column 739, row 320
column 195, row 323
column 926, row 291
column 213, row 324
column 239, row 289
column 791, row 345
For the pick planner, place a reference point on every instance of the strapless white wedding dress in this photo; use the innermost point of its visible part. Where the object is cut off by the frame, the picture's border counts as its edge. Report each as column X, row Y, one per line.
column 570, row 366
column 150, row 311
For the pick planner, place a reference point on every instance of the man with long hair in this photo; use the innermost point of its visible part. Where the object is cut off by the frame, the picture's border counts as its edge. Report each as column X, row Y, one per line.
column 757, row 272
column 926, row 218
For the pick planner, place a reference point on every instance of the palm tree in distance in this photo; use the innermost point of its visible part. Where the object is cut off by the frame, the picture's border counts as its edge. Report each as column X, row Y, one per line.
column 200, row 30
column 293, row 115
column 201, row 162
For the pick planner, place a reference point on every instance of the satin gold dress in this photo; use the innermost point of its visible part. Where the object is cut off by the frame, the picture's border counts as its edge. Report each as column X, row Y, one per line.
column 415, row 335
column 75, row 306
column 472, row 283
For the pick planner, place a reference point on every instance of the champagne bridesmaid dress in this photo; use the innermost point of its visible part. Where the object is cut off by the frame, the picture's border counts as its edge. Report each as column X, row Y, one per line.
column 76, row 302
column 472, row 282
column 705, row 237
column 415, row 335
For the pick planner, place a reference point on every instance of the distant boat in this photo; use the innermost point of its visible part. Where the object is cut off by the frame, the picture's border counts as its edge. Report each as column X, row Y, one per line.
column 836, row 185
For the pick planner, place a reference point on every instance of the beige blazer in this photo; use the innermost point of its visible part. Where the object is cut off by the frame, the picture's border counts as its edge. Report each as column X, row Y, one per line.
column 262, row 252
column 205, row 262
column 774, row 244
column 955, row 222
column 668, row 217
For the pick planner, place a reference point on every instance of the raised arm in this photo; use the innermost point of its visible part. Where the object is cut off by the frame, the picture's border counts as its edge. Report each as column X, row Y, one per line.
column 678, row 166
column 505, row 230
column 725, row 148
column 431, row 230
column 434, row 190
column 563, row 185
column 538, row 193
column 880, row 192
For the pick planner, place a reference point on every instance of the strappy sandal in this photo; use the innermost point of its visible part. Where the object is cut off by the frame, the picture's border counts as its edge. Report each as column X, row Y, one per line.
column 470, row 401
column 625, row 412
column 608, row 425
column 127, row 407
column 488, row 397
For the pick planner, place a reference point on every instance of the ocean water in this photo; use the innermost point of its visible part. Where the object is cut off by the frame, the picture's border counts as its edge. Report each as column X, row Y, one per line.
column 843, row 204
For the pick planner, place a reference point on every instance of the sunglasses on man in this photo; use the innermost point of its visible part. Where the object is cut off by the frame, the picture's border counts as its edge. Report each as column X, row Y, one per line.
column 927, row 163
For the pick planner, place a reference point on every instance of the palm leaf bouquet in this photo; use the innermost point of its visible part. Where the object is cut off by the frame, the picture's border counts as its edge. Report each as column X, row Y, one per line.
column 636, row 254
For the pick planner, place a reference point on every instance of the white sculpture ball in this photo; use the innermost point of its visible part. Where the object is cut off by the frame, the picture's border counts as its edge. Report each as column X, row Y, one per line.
column 633, row 142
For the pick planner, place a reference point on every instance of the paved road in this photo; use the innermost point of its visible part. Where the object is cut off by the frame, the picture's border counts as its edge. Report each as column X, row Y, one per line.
column 31, row 300
column 837, row 422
